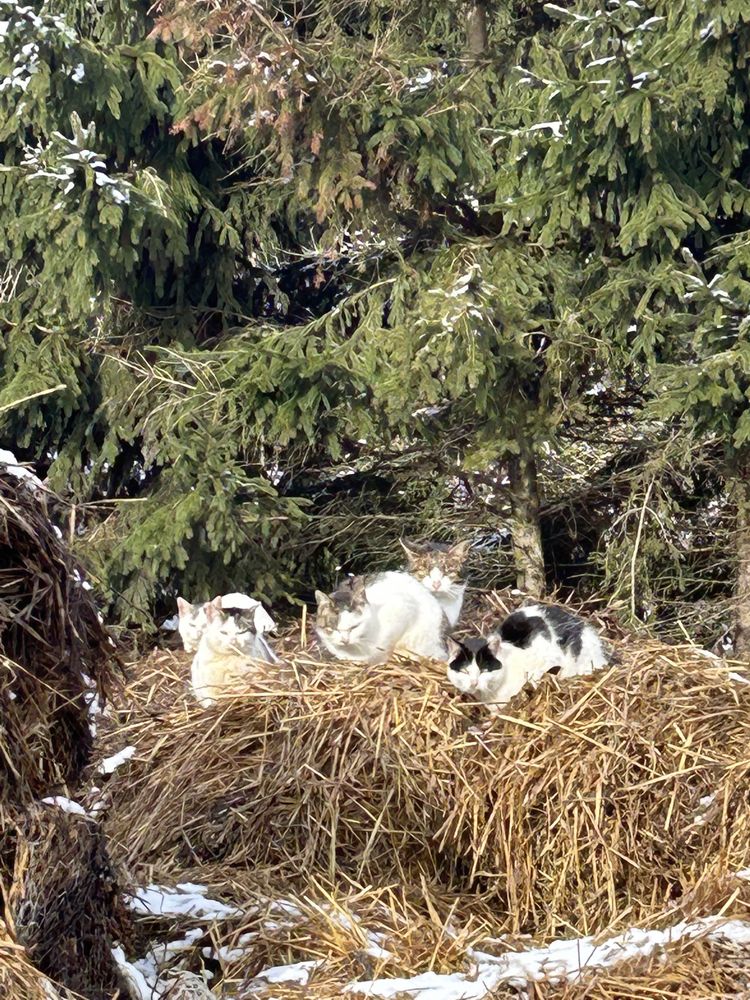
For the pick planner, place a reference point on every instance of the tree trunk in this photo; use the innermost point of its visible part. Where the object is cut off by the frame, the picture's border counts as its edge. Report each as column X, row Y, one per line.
column 476, row 30
column 525, row 529
column 742, row 580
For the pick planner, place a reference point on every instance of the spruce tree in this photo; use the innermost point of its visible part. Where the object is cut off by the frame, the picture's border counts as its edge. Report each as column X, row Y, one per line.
column 251, row 247
column 647, row 174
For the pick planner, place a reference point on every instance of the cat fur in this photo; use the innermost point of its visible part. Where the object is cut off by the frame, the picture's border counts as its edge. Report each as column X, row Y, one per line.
column 368, row 620
column 230, row 653
column 530, row 643
column 192, row 619
column 438, row 568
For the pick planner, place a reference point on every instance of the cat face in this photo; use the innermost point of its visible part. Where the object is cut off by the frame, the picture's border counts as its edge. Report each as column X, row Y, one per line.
column 343, row 616
column 437, row 567
column 191, row 624
column 231, row 630
column 472, row 667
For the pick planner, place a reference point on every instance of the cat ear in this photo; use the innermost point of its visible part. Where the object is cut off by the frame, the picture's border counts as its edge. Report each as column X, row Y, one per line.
column 183, row 607
column 410, row 548
column 461, row 549
column 213, row 609
column 262, row 621
column 455, row 649
column 357, row 584
column 494, row 644
column 322, row 599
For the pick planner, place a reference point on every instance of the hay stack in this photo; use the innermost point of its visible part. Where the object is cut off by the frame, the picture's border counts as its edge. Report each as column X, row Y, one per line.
column 580, row 810
column 57, row 892
column 19, row 980
column 695, row 970
column 50, row 640
column 64, row 901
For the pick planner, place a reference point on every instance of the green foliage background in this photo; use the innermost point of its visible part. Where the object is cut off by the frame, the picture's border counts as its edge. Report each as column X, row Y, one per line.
column 284, row 280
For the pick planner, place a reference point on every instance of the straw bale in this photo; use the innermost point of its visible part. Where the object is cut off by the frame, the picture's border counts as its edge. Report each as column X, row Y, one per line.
column 19, row 980
column 50, row 637
column 64, row 905
column 578, row 810
column 372, row 934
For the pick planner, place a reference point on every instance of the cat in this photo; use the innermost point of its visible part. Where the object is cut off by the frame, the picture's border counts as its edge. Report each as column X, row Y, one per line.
column 191, row 623
column 438, row 568
column 229, row 653
column 475, row 670
column 531, row 642
column 192, row 617
column 368, row 620
column 542, row 636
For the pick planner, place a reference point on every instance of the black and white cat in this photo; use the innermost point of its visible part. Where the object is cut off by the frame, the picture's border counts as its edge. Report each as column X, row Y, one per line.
column 367, row 620
column 530, row 643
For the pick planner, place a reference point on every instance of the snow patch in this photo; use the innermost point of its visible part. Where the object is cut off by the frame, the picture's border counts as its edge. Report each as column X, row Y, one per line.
column 67, row 805
column 110, row 764
column 299, row 972
column 8, row 460
column 559, row 961
column 186, row 899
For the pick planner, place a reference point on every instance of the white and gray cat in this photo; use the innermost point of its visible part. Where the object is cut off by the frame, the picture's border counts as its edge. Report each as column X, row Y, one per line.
column 230, row 652
column 366, row 620
column 439, row 568
column 192, row 618
column 530, row 643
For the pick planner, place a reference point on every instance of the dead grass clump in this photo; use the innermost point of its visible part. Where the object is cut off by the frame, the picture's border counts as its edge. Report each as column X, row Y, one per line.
column 19, row 980
column 63, row 905
column 593, row 803
column 51, row 639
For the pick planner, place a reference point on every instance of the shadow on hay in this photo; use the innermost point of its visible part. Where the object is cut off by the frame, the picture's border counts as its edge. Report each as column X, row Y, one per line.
column 65, row 901
column 51, row 641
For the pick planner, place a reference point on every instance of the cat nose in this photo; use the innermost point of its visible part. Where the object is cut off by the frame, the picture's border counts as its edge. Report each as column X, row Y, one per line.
column 436, row 584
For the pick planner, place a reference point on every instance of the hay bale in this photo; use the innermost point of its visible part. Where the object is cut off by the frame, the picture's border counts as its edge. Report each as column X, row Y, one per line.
column 64, row 903
column 580, row 810
column 51, row 640
column 19, row 980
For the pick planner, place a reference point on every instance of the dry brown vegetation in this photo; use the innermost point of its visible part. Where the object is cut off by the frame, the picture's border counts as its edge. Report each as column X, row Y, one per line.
column 382, row 796
column 369, row 821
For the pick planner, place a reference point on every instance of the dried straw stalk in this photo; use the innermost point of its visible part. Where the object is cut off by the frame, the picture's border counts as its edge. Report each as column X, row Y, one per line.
column 579, row 810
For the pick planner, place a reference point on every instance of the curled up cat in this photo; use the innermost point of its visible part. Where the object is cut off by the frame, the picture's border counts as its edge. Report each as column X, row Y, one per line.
column 230, row 653
column 366, row 620
column 439, row 569
column 530, row 643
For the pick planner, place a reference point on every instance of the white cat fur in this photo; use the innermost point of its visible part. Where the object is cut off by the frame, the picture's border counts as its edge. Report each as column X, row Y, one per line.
column 493, row 688
column 521, row 666
column 192, row 617
column 544, row 653
column 399, row 616
column 445, row 587
column 229, row 653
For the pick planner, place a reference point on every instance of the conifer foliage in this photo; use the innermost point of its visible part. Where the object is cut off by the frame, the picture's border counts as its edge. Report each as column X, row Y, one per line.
column 282, row 279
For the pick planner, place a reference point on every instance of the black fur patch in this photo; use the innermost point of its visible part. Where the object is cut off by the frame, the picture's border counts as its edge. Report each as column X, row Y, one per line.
column 554, row 670
column 520, row 629
column 567, row 627
column 475, row 649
